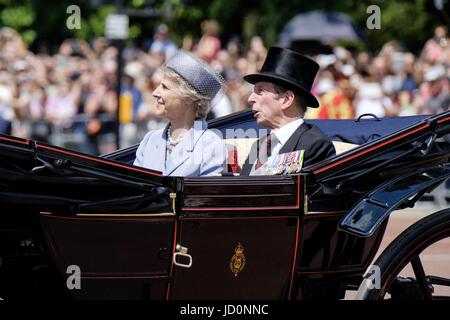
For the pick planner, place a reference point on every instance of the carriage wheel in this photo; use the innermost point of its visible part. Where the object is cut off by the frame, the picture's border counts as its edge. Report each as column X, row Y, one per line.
column 405, row 269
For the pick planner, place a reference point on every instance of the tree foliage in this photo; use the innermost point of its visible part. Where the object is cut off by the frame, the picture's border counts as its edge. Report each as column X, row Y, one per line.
column 409, row 21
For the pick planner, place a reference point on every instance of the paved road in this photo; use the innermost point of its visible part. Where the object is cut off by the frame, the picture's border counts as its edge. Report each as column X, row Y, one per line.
column 436, row 260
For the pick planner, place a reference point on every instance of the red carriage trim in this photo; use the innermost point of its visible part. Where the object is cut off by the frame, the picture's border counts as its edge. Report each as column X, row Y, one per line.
column 294, row 261
column 297, row 206
column 99, row 160
column 173, row 253
column 26, row 142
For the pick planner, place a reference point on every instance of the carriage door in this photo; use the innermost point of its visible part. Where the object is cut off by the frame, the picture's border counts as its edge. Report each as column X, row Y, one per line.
column 237, row 238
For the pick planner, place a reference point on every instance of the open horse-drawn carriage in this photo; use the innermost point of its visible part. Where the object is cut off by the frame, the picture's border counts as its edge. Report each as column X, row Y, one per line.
column 131, row 233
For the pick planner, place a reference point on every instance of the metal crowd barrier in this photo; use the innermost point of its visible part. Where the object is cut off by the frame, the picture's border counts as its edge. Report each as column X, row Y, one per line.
column 75, row 136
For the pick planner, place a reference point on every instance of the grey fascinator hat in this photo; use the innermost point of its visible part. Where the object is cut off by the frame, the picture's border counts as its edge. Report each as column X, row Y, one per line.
column 198, row 74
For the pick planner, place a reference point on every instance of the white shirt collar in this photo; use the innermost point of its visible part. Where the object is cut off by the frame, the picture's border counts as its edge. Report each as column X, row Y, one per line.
column 285, row 132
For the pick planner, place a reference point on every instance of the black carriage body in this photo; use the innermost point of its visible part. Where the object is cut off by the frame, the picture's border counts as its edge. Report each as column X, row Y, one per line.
column 133, row 233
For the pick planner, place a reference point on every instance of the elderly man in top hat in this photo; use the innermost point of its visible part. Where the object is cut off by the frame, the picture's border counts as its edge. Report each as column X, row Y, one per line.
column 279, row 100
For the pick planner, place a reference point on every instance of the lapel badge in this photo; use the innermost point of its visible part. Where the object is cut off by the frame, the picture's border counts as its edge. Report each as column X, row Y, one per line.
column 237, row 262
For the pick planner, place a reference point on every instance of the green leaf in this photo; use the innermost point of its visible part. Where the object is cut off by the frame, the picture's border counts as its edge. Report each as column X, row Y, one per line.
column 17, row 17
column 29, row 36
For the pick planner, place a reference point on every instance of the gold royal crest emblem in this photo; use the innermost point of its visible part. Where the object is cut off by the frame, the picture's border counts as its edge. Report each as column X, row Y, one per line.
column 237, row 262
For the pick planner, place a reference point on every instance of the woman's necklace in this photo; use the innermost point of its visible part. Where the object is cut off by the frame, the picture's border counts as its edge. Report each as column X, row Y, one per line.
column 172, row 141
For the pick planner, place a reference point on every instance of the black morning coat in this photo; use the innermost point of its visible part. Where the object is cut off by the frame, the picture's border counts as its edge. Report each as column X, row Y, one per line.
column 307, row 137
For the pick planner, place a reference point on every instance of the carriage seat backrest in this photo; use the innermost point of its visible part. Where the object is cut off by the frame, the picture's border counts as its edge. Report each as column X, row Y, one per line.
column 342, row 147
column 239, row 149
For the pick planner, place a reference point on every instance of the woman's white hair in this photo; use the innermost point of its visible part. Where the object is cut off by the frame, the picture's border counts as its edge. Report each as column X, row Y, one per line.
column 200, row 102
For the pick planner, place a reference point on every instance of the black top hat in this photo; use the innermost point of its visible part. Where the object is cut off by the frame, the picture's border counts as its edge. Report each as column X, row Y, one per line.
column 290, row 70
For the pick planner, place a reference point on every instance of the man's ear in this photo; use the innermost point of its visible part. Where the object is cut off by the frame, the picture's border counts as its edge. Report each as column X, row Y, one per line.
column 288, row 100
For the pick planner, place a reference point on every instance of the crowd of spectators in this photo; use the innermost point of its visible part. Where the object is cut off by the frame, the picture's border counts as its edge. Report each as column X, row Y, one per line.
column 73, row 92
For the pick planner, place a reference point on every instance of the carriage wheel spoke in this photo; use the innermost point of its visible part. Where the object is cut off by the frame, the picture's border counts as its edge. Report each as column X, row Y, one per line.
column 421, row 278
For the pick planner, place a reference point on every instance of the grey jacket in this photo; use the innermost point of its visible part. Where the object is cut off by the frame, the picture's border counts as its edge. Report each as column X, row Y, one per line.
column 200, row 153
